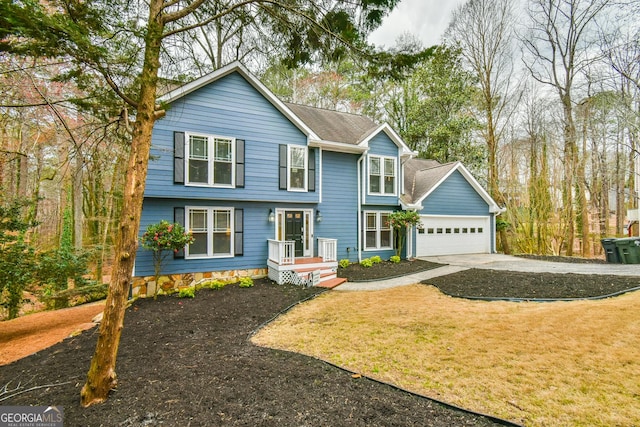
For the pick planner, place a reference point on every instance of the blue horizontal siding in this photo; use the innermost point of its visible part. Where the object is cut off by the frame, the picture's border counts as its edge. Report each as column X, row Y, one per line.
column 229, row 107
column 455, row 196
column 257, row 230
column 339, row 205
column 382, row 145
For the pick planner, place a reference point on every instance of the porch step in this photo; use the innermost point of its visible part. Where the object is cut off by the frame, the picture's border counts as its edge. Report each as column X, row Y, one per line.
column 302, row 271
column 332, row 283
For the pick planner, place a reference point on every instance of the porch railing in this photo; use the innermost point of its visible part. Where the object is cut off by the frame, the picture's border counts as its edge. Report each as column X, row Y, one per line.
column 282, row 251
column 328, row 249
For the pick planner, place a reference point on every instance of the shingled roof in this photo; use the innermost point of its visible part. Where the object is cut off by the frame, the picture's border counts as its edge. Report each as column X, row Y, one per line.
column 421, row 176
column 334, row 126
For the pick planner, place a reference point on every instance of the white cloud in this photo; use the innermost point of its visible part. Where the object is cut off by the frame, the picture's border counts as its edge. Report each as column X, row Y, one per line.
column 427, row 19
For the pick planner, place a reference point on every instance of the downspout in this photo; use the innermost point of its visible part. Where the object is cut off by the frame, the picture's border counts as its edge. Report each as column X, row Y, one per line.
column 360, row 178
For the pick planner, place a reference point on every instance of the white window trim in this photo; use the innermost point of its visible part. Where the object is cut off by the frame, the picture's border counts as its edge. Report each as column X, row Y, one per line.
column 306, row 168
column 210, row 210
column 309, row 233
column 382, row 175
column 378, row 231
column 211, row 160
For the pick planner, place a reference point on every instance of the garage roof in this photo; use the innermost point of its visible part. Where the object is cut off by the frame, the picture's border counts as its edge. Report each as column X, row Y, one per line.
column 423, row 176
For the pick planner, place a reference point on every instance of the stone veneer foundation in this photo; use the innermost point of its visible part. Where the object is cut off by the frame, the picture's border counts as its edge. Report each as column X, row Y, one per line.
column 145, row 286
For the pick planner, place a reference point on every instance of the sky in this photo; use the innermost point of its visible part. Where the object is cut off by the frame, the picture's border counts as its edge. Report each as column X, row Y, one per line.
column 427, row 19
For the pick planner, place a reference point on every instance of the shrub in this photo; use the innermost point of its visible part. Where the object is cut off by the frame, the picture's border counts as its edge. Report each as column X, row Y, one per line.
column 163, row 238
column 376, row 259
column 366, row 262
column 344, row 263
column 189, row 292
column 213, row 284
column 16, row 255
column 245, row 282
column 395, row 259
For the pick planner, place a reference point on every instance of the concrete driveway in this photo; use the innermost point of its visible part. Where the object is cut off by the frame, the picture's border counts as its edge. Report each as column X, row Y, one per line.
column 512, row 263
column 457, row 263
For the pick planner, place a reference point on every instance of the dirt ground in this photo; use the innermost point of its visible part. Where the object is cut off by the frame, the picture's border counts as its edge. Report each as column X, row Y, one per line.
column 34, row 332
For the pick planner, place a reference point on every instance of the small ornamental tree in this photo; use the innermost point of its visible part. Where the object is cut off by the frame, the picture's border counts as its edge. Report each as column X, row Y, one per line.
column 164, row 238
column 399, row 221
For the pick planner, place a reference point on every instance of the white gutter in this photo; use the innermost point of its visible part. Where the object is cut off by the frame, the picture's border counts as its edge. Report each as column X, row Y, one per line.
column 359, row 169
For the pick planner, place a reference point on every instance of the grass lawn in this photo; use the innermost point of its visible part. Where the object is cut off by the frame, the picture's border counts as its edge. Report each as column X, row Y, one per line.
column 563, row 363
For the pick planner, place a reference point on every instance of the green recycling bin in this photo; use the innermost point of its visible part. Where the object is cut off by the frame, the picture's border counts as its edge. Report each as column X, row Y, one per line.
column 629, row 250
column 611, row 250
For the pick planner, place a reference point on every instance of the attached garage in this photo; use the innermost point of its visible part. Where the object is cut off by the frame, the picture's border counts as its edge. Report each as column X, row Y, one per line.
column 449, row 235
column 457, row 214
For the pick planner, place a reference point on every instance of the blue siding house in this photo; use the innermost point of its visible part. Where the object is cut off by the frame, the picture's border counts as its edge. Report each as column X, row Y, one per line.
column 284, row 190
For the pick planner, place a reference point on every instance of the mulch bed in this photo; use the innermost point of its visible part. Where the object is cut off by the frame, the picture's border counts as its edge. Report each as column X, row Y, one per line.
column 511, row 284
column 384, row 270
column 189, row 362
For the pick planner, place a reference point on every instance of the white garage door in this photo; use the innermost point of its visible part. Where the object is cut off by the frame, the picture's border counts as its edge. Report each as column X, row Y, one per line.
column 450, row 235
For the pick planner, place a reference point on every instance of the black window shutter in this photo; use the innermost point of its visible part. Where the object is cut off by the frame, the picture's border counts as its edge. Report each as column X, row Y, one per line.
column 239, row 163
column 311, row 180
column 283, row 166
column 238, row 243
column 178, row 218
column 178, row 157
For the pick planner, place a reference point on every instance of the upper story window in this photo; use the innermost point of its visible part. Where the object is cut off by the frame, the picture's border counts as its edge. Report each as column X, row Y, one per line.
column 210, row 160
column 297, row 165
column 297, row 168
column 382, row 175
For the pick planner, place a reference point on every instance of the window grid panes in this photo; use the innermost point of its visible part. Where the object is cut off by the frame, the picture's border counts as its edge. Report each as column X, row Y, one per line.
column 212, row 229
column 210, row 160
column 382, row 175
column 378, row 233
column 297, row 168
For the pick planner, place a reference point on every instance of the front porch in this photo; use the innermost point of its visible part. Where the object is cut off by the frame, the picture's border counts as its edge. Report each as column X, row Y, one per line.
column 285, row 267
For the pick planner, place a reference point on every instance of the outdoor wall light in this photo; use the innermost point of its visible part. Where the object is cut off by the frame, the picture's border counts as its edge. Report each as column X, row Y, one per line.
column 318, row 216
column 271, row 217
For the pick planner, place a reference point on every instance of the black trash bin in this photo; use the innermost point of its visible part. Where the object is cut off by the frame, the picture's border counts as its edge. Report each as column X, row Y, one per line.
column 629, row 250
column 611, row 250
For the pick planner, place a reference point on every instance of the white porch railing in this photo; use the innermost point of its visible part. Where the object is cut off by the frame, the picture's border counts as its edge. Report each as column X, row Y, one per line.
column 282, row 251
column 328, row 249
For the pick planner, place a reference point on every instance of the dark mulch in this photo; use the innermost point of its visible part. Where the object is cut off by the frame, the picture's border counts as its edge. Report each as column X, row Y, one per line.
column 188, row 362
column 511, row 284
column 384, row 270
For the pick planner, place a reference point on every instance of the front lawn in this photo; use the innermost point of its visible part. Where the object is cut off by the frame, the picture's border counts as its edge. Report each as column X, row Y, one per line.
column 560, row 363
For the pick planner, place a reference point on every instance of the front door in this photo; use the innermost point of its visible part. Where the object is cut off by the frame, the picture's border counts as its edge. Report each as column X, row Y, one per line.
column 294, row 230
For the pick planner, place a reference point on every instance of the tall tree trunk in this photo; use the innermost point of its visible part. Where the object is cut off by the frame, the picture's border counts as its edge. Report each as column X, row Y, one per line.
column 582, row 190
column 570, row 160
column 101, row 377
column 77, row 201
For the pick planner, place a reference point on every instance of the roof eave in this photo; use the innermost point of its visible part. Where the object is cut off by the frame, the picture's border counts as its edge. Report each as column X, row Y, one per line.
column 339, row 147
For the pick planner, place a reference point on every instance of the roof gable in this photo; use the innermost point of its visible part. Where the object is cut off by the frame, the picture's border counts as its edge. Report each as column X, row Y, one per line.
column 422, row 177
column 237, row 67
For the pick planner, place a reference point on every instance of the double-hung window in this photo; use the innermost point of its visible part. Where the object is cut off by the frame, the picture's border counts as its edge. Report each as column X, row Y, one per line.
column 297, row 168
column 212, row 230
column 382, row 175
column 210, row 160
column 378, row 233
